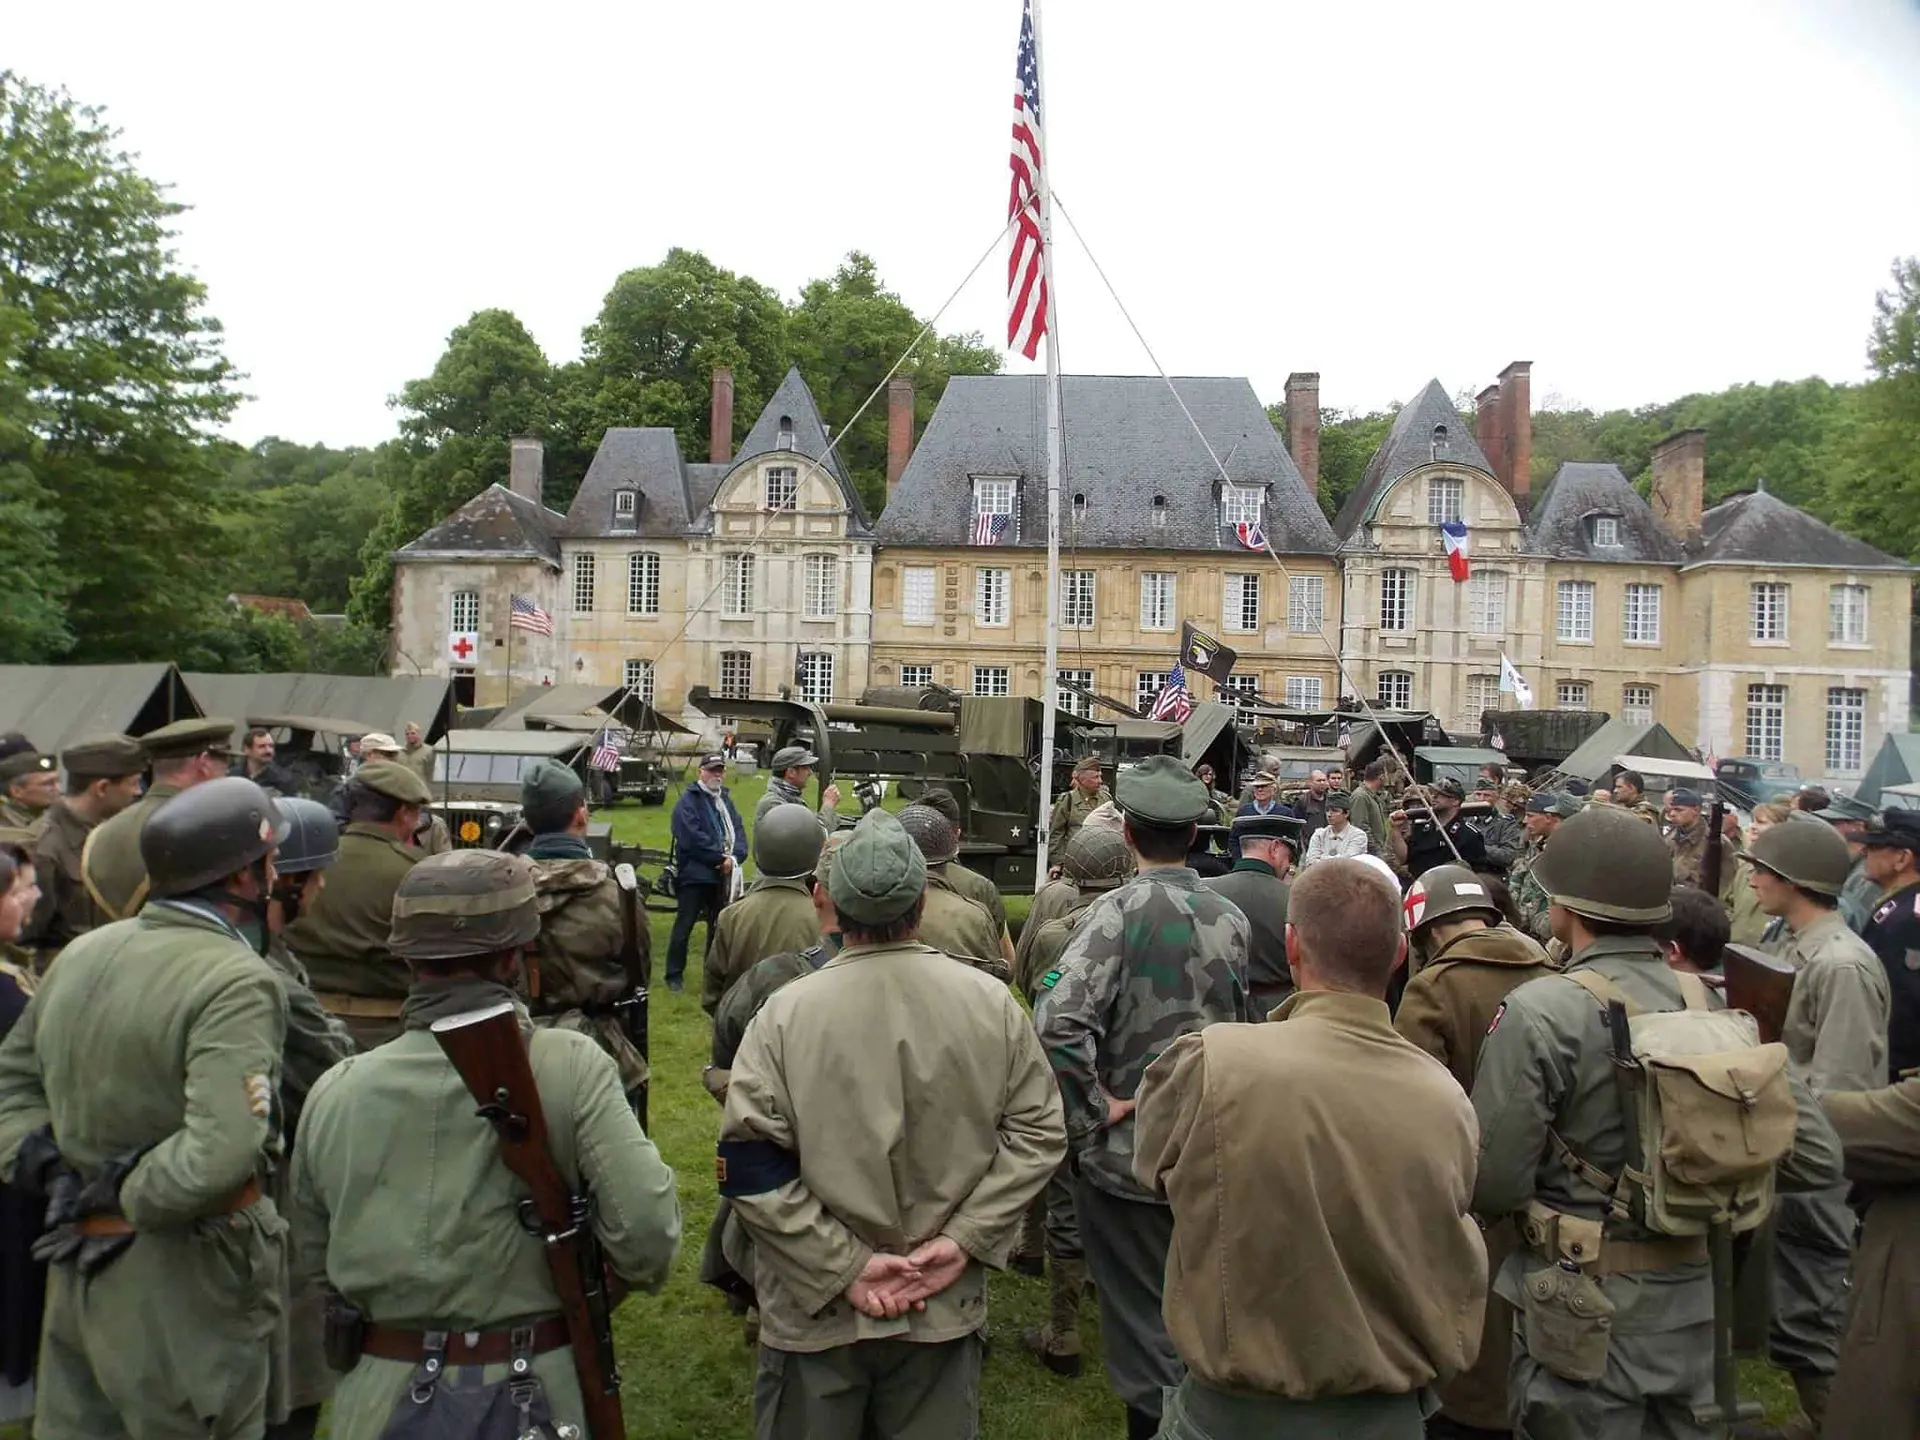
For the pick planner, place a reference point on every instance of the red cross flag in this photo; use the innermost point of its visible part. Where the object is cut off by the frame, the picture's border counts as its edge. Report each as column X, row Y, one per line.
column 463, row 646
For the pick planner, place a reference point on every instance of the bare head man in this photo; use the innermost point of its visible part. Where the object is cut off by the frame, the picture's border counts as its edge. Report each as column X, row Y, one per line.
column 1343, row 929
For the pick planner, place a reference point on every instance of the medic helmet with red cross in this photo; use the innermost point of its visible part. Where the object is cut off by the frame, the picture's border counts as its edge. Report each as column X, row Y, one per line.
column 1449, row 891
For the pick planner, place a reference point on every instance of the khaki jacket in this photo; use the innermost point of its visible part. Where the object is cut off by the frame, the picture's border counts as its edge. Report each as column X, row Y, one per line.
column 419, row 759
column 1836, row 1026
column 1388, row 1281
column 1070, row 812
column 955, row 924
column 342, row 938
column 974, row 886
column 774, row 917
column 942, row 1120
column 1052, row 900
column 113, row 869
column 66, row 911
column 1449, row 1004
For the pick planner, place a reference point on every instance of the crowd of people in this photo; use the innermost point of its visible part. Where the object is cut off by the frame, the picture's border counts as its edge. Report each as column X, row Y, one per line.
column 1408, row 1115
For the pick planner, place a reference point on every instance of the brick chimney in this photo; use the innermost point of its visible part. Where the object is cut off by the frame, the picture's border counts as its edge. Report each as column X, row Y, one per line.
column 720, row 422
column 1679, row 488
column 1486, row 425
column 899, row 430
column 526, row 467
column 1303, row 425
column 1516, row 426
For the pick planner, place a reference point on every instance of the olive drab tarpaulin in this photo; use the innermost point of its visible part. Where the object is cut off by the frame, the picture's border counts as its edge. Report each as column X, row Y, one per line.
column 994, row 725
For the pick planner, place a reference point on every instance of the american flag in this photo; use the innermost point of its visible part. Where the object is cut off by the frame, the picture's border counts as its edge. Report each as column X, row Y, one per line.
column 605, row 755
column 529, row 616
column 989, row 529
column 1026, row 276
column 1175, row 701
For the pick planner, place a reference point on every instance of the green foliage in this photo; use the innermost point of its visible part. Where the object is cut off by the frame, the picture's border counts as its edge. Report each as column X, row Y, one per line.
column 1884, row 444
column 1348, row 439
column 298, row 516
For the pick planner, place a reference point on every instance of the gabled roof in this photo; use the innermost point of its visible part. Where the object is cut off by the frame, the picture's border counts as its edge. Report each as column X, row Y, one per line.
column 53, row 705
column 1559, row 525
column 1760, row 529
column 1127, row 441
column 642, row 459
column 496, row 523
column 1410, row 444
column 794, row 401
column 373, row 702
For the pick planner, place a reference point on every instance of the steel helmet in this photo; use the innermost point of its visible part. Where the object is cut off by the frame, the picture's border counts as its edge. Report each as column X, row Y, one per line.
column 1096, row 859
column 313, row 837
column 1607, row 864
column 787, row 841
column 1812, row 856
column 462, row 903
column 939, row 842
column 1448, row 892
column 208, row 832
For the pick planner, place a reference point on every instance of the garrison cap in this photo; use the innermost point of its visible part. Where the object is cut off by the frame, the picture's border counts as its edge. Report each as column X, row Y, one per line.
column 378, row 740
column 547, row 782
column 1606, row 863
column 1684, row 798
column 1162, row 791
column 1104, row 816
column 103, row 757
column 932, row 832
column 878, row 873
column 823, row 867
column 23, row 763
column 184, row 739
column 1086, row 763
column 1897, row 830
column 394, row 780
column 462, row 903
column 788, row 756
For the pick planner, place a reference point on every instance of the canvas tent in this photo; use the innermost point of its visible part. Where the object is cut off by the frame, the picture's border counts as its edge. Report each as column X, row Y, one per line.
column 374, row 702
column 1896, row 762
column 54, row 705
column 564, row 707
column 1598, row 753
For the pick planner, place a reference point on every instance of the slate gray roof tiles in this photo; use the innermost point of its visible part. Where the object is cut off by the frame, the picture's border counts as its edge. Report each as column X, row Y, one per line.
column 1410, row 444
column 793, row 401
column 1561, row 522
column 646, row 460
column 1126, row 443
column 495, row 522
column 1761, row 529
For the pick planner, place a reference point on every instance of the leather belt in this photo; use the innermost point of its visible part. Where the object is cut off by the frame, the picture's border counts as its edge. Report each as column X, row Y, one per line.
column 358, row 1007
column 1628, row 1257
column 469, row 1347
column 245, row 1196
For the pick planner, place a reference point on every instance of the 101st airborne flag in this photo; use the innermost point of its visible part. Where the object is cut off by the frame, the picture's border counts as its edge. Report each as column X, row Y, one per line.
column 1201, row 654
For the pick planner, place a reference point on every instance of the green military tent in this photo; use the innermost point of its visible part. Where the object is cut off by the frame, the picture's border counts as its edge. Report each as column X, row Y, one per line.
column 1896, row 762
column 54, row 705
column 373, row 702
column 1595, row 757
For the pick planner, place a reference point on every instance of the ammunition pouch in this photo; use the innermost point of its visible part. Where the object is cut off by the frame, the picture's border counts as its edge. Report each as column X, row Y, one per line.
column 1568, row 1321
column 343, row 1334
column 443, row 1403
column 1558, row 1237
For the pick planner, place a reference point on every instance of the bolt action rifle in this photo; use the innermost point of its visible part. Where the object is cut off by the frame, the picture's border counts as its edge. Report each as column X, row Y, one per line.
column 636, row 960
column 1760, row 984
column 488, row 1049
column 1713, row 860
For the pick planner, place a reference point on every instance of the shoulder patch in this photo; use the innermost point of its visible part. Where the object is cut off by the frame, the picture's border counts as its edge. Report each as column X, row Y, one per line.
column 259, row 1096
column 1050, row 979
column 1499, row 1014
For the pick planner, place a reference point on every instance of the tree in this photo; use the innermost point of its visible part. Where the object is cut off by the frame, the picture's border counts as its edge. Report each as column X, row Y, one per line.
column 33, row 619
column 1348, row 439
column 116, row 377
column 1884, row 443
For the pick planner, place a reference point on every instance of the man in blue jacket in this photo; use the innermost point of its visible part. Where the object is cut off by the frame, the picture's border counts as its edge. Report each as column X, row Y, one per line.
column 709, row 842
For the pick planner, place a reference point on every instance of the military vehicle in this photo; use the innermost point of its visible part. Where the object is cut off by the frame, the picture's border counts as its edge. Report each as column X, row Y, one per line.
column 1749, row 782
column 984, row 748
column 313, row 748
column 477, row 773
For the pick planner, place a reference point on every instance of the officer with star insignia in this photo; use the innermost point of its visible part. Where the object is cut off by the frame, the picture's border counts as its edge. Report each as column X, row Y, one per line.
column 1893, row 929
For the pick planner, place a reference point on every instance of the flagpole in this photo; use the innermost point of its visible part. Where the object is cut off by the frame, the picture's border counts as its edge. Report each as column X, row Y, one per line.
column 1049, row 680
column 509, row 698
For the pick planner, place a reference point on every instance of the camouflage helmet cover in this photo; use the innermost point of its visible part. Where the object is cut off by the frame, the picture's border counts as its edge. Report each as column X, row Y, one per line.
column 1448, row 892
column 1814, row 857
column 207, row 833
column 787, row 842
column 1607, row 864
column 1097, row 859
column 463, row 903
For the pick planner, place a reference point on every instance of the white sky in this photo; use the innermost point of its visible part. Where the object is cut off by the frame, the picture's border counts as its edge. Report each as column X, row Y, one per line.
column 1643, row 197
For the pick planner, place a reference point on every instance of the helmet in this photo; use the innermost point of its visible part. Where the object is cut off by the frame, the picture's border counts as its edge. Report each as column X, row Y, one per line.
column 1607, row 864
column 205, row 833
column 1814, row 857
column 932, row 832
column 313, row 837
column 786, row 842
column 1448, row 891
column 461, row 903
column 1096, row 859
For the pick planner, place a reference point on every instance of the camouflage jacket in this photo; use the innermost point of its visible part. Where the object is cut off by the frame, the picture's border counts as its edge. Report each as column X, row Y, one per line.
column 1157, row 958
column 1529, row 897
column 575, row 973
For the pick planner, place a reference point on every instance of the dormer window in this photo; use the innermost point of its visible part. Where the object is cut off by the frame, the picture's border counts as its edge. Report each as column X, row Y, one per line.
column 786, row 433
column 783, row 487
column 1606, row 532
column 1079, row 505
column 1240, row 505
column 1439, row 441
column 1159, row 512
column 626, row 509
column 993, row 511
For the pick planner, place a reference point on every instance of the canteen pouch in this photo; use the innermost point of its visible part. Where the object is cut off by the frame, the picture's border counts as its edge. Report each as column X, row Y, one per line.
column 457, row 1403
column 1569, row 1322
column 343, row 1334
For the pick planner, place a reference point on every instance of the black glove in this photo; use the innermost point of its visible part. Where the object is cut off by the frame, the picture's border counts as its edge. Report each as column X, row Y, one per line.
column 38, row 1162
column 60, row 1239
column 100, row 1196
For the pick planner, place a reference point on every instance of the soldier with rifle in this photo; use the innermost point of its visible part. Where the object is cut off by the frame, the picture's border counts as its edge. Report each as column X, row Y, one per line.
column 589, row 967
column 475, row 1189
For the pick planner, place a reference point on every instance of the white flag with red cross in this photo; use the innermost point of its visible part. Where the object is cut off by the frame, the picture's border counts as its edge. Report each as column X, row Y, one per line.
column 463, row 646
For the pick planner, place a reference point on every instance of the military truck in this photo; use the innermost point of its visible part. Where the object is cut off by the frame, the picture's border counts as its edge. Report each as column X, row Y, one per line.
column 477, row 774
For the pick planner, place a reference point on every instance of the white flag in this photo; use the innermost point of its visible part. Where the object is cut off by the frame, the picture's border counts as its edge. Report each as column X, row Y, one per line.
column 1511, row 683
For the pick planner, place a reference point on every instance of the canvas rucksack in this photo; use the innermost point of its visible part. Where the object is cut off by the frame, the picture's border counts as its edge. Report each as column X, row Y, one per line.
column 1713, row 1110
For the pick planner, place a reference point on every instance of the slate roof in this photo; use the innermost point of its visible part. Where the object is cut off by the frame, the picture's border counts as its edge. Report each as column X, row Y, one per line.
column 1760, row 529
column 646, row 460
column 1126, row 441
column 1409, row 444
column 496, row 522
column 1560, row 523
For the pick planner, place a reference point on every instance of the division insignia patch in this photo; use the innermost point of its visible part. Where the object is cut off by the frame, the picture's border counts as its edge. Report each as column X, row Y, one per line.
column 1498, row 1015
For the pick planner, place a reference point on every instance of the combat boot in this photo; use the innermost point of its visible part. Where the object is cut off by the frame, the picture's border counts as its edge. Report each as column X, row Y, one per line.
column 1056, row 1344
column 1812, row 1390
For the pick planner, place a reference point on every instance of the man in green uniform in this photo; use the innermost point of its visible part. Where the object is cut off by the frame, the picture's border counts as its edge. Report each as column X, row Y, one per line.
column 874, row 1224
column 1466, row 962
column 103, row 778
column 1545, row 812
column 1630, row 794
column 575, row 974
column 426, row 1240
column 971, row 883
column 776, row 914
column 1258, row 885
column 1098, row 861
column 1836, row 1035
column 1687, row 840
column 418, row 755
column 29, row 784
column 1553, row 1143
column 342, row 939
column 184, row 754
column 1370, row 807
column 949, row 921
column 1154, row 959
column 138, row 1092
column 792, row 767
column 1087, row 793
column 1858, row 896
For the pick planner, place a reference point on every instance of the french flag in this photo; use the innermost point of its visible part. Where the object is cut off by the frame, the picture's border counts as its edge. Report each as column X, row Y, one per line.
column 1453, row 535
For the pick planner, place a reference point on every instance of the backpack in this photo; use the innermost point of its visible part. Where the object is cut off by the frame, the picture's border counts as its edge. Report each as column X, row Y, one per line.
column 1713, row 1109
